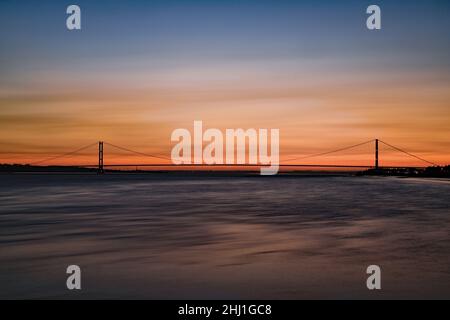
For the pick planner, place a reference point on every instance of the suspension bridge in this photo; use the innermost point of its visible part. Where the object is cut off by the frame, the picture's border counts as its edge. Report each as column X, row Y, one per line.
column 101, row 165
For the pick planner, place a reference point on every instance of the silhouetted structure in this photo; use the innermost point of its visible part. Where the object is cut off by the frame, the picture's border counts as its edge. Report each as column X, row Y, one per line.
column 100, row 158
column 376, row 154
column 374, row 169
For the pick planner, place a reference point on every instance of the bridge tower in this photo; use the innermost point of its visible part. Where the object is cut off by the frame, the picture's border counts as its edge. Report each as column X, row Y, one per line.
column 376, row 154
column 100, row 158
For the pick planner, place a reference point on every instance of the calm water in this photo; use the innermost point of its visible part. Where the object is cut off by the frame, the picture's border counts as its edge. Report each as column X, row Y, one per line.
column 246, row 237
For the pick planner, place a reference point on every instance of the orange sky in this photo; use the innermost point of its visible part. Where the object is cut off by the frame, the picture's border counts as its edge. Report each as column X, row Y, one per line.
column 315, row 112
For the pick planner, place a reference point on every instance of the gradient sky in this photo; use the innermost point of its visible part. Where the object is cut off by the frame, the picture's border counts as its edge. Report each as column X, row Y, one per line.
column 139, row 69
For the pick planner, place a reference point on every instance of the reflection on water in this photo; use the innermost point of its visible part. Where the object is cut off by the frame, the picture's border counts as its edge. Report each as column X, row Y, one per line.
column 245, row 237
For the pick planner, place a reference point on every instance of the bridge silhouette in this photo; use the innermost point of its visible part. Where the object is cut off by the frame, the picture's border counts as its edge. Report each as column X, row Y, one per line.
column 101, row 165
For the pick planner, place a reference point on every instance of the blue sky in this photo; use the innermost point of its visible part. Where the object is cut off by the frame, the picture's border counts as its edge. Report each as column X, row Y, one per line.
column 33, row 33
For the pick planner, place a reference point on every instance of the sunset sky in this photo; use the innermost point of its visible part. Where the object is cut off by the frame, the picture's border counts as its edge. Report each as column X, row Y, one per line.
column 140, row 69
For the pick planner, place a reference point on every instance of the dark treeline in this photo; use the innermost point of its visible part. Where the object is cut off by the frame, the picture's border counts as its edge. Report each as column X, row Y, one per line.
column 435, row 172
column 30, row 168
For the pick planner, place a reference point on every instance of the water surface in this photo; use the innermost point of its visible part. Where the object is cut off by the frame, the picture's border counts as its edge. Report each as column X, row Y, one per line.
column 206, row 238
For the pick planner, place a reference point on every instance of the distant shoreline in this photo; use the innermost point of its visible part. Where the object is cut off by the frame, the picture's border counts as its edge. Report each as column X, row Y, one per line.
column 429, row 172
column 184, row 172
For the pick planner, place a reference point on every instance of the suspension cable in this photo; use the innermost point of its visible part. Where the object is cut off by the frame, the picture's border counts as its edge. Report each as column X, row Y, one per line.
column 328, row 152
column 137, row 152
column 64, row 154
column 409, row 154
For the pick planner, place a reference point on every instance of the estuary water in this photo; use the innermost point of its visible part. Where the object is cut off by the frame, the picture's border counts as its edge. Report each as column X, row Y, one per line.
column 176, row 237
